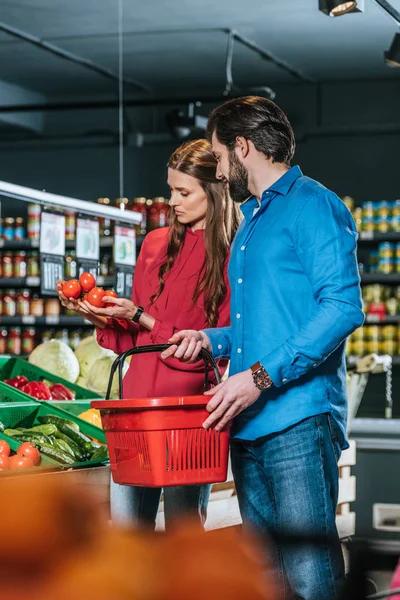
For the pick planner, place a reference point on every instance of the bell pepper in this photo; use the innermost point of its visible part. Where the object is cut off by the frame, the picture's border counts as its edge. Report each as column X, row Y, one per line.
column 18, row 382
column 92, row 416
column 60, row 392
column 38, row 390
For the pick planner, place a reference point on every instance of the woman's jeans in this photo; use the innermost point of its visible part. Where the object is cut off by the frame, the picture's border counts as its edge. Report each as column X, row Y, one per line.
column 288, row 482
column 138, row 506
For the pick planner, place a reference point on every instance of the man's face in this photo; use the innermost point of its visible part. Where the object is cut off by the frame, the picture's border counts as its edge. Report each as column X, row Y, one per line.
column 231, row 170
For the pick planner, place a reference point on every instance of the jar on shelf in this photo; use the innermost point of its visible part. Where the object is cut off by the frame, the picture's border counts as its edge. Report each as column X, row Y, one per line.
column 139, row 206
column 33, row 225
column 52, row 307
column 47, row 335
column 62, row 335
column 19, row 264
column 9, row 303
column 28, row 341
column 105, row 265
column 3, row 341
column 32, row 264
column 70, row 265
column 70, row 225
column 8, row 268
column 14, row 341
column 20, row 233
column 75, row 339
column 105, row 224
column 37, row 306
column 23, row 301
column 157, row 213
column 9, row 229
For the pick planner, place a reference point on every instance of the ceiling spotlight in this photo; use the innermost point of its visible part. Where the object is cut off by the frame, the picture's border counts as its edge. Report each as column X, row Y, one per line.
column 392, row 56
column 337, row 8
column 186, row 124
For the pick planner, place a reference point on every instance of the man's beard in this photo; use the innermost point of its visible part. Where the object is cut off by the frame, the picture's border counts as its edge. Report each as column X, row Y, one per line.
column 238, row 179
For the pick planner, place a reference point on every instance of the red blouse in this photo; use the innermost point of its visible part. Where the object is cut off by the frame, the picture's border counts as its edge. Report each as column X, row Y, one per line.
column 148, row 374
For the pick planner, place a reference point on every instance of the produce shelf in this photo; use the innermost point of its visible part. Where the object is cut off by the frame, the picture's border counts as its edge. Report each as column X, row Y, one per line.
column 62, row 321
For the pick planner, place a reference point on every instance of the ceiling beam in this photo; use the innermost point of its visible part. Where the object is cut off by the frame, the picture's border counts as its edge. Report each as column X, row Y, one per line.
column 74, row 58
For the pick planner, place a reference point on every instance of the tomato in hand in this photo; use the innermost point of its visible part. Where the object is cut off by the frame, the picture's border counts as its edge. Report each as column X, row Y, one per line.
column 29, row 451
column 20, row 462
column 4, row 448
column 87, row 282
column 72, row 289
column 4, row 462
column 95, row 297
column 112, row 294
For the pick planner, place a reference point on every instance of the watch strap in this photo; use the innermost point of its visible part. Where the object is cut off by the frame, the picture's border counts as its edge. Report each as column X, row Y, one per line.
column 138, row 314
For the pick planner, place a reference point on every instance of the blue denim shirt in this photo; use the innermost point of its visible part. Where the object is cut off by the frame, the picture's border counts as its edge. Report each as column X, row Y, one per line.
column 295, row 298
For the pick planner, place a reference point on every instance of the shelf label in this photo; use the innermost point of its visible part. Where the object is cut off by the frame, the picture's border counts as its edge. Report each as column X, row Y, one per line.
column 87, row 239
column 124, row 259
column 52, row 320
column 366, row 235
column 28, row 320
column 124, row 246
column 52, row 251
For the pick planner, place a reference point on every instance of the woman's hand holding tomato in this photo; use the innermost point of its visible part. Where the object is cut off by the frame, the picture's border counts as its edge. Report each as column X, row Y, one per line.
column 116, row 308
column 69, row 303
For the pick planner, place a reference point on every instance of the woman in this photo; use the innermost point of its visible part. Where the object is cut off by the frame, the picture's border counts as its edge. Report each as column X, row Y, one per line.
column 180, row 282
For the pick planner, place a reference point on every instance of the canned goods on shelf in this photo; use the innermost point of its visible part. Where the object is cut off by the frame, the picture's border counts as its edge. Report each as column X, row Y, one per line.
column 386, row 266
column 382, row 224
column 386, row 250
column 358, row 347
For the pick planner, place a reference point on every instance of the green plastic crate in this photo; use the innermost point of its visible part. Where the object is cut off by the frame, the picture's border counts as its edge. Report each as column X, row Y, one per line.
column 26, row 414
column 11, row 367
column 73, row 407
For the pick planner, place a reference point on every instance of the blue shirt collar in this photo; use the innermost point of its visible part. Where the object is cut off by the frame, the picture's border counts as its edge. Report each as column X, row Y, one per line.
column 281, row 186
column 284, row 183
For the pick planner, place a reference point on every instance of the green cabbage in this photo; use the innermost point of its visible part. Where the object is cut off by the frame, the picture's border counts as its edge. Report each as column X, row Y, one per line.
column 88, row 352
column 56, row 358
column 99, row 375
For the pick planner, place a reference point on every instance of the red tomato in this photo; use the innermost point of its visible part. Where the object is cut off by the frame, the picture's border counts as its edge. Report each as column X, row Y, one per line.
column 4, row 448
column 4, row 463
column 113, row 295
column 29, row 451
column 72, row 289
column 95, row 297
column 20, row 462
column 87, row 282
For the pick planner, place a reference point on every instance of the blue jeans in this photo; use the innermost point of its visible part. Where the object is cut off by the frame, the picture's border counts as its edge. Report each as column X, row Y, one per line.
column 288, row 482
column 138, row 506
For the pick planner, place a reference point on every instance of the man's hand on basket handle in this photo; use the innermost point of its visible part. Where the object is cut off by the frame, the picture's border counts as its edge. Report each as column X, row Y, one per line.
column 190, row 343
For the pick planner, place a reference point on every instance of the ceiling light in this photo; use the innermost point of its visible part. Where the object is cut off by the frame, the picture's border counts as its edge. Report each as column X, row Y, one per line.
column 336, row 8
column 392, row 56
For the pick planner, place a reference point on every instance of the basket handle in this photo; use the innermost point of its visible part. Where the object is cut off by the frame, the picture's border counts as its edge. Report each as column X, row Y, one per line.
column 119, row 363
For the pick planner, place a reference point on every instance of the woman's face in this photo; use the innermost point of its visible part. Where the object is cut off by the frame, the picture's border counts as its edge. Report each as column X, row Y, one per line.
column 188, row 199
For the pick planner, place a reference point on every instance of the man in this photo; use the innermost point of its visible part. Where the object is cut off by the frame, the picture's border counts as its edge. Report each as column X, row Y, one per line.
column 295, row 299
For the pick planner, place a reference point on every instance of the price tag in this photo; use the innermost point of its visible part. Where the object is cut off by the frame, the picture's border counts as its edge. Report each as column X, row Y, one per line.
column 52, row 320
column 87, row 246
column 124, row 246
column 52, row 251
column 28, row 320
column 124, row 259
column 366, row 235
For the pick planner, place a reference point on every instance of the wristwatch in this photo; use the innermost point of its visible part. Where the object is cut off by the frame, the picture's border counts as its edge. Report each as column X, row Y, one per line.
column 261, row 379
column 138, row 314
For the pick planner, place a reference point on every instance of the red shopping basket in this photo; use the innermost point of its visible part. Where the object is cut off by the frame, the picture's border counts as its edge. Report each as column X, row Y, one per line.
column 160, row 442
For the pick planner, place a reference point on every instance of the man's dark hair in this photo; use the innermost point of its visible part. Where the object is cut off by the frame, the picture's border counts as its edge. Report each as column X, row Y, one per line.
column 256, row 119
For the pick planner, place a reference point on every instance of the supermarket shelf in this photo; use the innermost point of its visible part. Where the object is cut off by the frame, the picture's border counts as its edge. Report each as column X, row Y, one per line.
column 62, row 321
column 352, row 360
column 19, row 282
column 388, row 320
column 380, row 278
column 105, row 281
column 377, row 236
column 19, row 244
